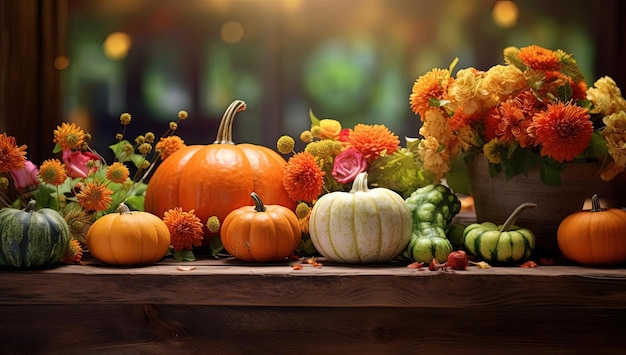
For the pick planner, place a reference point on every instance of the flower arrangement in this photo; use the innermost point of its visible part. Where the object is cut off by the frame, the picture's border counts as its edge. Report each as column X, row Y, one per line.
column 332, row 158
column 535, row 110
column 82, row 186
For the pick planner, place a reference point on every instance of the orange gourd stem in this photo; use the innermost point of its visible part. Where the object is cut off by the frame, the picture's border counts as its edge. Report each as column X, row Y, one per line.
column 258, row 204
column 225, row 130
column 513, row 217
column 595, row 204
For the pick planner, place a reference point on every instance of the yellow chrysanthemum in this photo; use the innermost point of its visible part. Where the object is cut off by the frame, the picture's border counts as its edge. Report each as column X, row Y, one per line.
column 52, row 172
column 117, row 172
column 69, row 136
column 94, row 196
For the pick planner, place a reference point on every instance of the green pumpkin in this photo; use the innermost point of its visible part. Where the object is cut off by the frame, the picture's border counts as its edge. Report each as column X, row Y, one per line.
column 504, row 243
column 31, row 238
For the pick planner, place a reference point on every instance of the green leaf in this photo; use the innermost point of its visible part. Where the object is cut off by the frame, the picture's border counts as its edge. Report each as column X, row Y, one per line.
column 314, row 120
column 565, row 92
column 551, row 172
column 136, row 202
column 56, row 149
column 569, row 66
column 137, row 159
column 510, row 57
column 184, row 255
column 216, row 246
column 118, row 151
column 597, row 146
column 458, row 178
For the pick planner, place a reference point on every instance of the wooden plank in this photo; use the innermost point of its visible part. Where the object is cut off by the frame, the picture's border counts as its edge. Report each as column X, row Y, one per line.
column 179, row 329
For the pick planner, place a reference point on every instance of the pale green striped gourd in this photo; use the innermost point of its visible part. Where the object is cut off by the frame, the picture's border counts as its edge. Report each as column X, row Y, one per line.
column 31, row 238
column 505, row 243
column 361, row 226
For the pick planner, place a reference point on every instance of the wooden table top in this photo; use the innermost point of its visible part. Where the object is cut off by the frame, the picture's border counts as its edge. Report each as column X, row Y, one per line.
column 229, row 282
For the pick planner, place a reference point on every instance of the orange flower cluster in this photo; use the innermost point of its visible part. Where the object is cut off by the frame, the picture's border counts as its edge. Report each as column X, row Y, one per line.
column 537, row 107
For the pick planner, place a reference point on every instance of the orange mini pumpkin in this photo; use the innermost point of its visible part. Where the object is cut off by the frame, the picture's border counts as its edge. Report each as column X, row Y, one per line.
column 261, row 233
column 128, row 238
column 218, row 178
column 594, row 237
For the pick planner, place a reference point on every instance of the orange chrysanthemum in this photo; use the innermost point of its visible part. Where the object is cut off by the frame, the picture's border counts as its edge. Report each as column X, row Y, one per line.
column 539, row 58
column 562, row 130
column 117, row 172
column 52, row 172
column 302, row 178
column 11, row 156
column 373, row 141
column 69, row 136
column 185, row 228
column 432, row 85
column 513, row 123
column 94, row 196
column 168, row 145
column 460, row 119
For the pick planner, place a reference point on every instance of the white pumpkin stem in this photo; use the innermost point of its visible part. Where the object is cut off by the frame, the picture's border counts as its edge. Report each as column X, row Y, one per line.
column 225, row 130
column 595, row 204
column 123, row 209
column 258, row 204
column 360, row 183
column 513, row 217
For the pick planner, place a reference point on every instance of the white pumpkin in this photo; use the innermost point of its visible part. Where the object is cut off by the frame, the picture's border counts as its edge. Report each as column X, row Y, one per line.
column 361, row 226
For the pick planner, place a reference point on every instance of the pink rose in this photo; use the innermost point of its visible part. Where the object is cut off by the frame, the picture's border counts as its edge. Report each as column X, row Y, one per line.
column 76, row 163
column 348, row 164
column 26, row 177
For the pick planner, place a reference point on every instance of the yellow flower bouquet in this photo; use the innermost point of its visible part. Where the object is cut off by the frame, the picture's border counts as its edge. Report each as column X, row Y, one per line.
column 533, row 111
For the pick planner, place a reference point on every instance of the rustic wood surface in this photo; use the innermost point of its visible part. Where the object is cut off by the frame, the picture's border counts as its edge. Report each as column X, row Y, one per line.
column 229, row 307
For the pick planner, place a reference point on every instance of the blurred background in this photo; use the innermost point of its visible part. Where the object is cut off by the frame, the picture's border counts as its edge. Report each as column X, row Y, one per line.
column 87, row 61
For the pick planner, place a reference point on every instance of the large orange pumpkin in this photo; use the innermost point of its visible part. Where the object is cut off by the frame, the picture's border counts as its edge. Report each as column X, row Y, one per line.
column 594, row 237
column 218, row 178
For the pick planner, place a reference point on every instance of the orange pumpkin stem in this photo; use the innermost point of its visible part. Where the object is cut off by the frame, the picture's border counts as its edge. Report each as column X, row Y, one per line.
column 123, row 209
column 513, row 217
column 595, row 203
column 258, row 204
column 225, row 130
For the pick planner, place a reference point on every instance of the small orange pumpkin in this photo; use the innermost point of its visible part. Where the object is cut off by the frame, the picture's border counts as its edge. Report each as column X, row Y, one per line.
column 217, row 178
column 594, row 237
column 128, row 238
column 261, row 233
